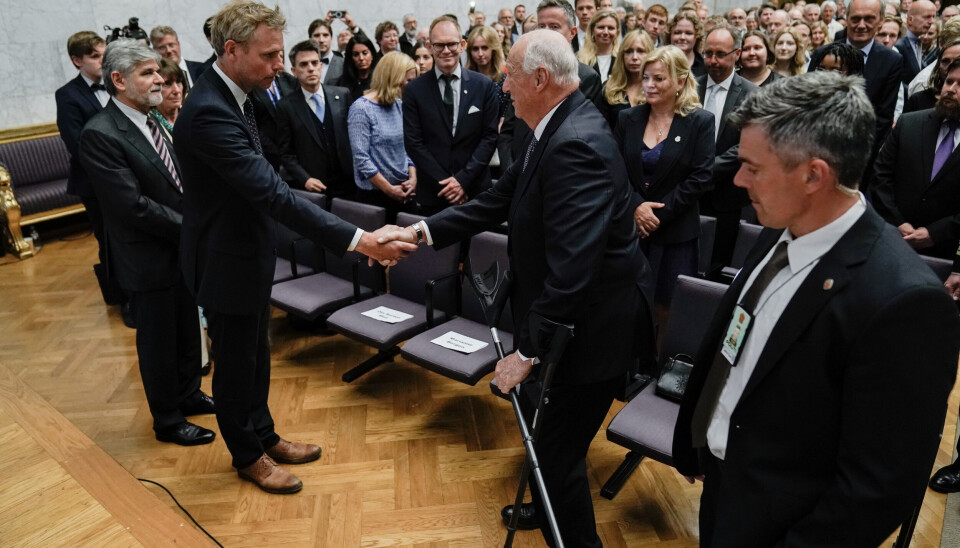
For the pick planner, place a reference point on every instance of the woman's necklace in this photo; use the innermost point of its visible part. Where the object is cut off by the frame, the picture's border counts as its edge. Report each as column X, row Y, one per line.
column 661, row 128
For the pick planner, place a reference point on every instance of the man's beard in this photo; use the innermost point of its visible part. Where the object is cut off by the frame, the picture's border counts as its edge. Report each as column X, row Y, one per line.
column 948, row 107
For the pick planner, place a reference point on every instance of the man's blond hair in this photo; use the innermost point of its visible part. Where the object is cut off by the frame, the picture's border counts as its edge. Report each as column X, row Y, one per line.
column 239, row 19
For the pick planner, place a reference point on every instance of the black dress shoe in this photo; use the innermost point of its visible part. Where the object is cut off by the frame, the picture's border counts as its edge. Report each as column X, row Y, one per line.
column 186, row 433
column 528, row 516
column 127, row 315
column 197, row 404
column 947, row 479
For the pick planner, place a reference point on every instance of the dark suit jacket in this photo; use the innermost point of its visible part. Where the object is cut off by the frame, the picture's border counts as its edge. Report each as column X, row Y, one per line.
column 832, row 442
column 921, row 100
column 903, row 191
column 596, row 67
column 514, row 132
column 76, row 104
column 910, row 65
column 572, row 243
column 140, row 200
column 725, row 196
column 334, row 71
column 302, row 147
column 406, row 46
column 683, row 173
column 266, row 113
column 196, row 68
column 232, row 201
column 882, row 73
column 427, row 134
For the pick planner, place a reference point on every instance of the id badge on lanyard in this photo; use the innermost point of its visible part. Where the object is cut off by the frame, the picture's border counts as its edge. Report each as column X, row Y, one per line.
column 736, row 334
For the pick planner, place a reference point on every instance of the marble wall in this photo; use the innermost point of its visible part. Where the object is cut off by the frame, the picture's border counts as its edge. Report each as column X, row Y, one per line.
column 33, row 35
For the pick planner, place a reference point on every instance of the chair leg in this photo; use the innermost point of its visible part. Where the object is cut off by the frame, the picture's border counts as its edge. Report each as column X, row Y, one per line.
column 621, row 475
column 372, row 363
column 906, row 529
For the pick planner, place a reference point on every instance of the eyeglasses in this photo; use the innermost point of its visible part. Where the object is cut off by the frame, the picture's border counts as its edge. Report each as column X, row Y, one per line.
column 438, row 48
column 717, row 54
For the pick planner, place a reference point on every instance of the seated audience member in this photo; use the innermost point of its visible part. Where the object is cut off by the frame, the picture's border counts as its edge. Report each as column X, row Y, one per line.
column 265, row 107
column 166, row 42
column 655, row 23
column 423, row 57
column 756, row 59
column 166, row 112
column 121, row 149
column 686, row 32
column 624, row 88
column 529, row 24
column 408, row 40
column 818, row 35
column 916, row 174
column 668, row 145
column 838, row 57
column 603, row 40
column 331, row 63
column 452, row 145
column 890, row 32
column 795, row 443
column 789, row 54
column 384, row 174
column 388, row 37
column 360, row 60
column 312, row 129
column 927, row 98
column 504, row 37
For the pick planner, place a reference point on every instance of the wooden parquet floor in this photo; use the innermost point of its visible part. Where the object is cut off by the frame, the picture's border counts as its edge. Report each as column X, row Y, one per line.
column 409, row 457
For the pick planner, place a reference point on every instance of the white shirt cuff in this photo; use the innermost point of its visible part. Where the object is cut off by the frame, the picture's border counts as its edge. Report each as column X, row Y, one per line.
column 524, row 358
column 356, row 240
column 426, row 232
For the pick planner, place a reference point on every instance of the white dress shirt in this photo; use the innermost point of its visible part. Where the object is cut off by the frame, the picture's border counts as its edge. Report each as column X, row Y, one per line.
column 101, row 94
column 456, row 84
column 715, row 98
column 138, row 119
column 241, row 97
column 324, row 67
column 803, row 254
column 603, row 64
column 186, row 71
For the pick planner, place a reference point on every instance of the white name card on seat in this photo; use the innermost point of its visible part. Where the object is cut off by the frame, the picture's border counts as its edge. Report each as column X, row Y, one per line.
column 387, row 315
column 458, row 342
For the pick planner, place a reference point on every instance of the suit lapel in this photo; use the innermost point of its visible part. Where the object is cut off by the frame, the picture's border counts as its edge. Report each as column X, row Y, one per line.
column 308, row 116
column 139, row 141
column 633, row 141
column 87, row 93
column 730, row 104
column 433, row 90
column 837, row 265
column 230, row 100
column 931, row 130
column 672, row 147
column 466, row 86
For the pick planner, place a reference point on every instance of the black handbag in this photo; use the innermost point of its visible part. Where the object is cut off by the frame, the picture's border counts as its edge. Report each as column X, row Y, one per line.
column 674, row 376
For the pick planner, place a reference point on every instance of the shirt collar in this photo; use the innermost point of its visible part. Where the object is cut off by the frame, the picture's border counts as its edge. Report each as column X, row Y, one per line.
column 89, row 81
column 308, row 95
column 865, row 49
column 456, row 72
column 542, row 126
column 725, row 84
column 328, row 56
column 808, row 248
column 913, row 37
column 238, row 95
column 138, row 118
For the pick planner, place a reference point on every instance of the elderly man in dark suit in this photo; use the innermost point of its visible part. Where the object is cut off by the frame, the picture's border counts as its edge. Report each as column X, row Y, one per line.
column 450, row 118
column 78, row 101
column 232, row 201
column 819, row 392
column 721, row 92
column 921, row 15
column 312, row 133
column 575, row 258
column 133, row 169
column 916, row 185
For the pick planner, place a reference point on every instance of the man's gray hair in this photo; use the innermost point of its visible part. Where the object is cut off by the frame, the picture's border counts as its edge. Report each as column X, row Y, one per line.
column 815, row 115
column 123, row 56
column 811, row 6
column 548, row 49
column 829, row 4
column 734, row 32
column 562, row 4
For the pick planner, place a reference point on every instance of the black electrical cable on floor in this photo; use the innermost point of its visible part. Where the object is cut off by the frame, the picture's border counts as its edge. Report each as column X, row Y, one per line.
column 175, row 501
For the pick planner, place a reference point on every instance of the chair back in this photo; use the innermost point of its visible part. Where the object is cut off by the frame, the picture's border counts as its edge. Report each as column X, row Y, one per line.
column 35, row 160
column 368, row 218
column 708, row 235
column 746, row 239
column 486, row 248
column 287, row 238
column 409, row 277
column 941, row 267
column 694, row 303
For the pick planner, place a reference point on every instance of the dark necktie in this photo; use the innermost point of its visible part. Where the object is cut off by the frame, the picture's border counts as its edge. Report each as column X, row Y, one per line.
column 945, row 149
column 717, row 377
column 160, row 144
column 448, row 95
column 251, row 122
column 526, row 157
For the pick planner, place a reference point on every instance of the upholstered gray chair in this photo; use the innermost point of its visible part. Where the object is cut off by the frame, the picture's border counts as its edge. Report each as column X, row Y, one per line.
column 746, row 238
column 296, row 255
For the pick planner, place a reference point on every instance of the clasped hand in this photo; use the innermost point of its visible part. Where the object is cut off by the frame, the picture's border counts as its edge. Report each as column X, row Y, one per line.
column 385, row 246
column 646, row 219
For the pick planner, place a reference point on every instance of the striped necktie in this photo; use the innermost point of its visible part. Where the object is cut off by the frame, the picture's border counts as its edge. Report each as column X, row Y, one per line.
column 161, row 145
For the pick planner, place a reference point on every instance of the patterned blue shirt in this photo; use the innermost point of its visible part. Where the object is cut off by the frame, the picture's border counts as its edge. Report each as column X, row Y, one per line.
column 376, row 136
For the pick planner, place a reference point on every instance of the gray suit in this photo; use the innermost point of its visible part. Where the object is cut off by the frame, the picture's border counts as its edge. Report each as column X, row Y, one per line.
column 334, row 71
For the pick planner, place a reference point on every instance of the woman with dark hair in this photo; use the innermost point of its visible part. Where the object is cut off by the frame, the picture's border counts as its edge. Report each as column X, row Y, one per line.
column 838, row 57
column 423, row 57
column 756, row 58
column 172, row 92
column 360, row 59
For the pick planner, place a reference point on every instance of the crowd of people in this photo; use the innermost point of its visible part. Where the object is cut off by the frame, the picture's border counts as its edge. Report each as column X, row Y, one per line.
column 601, row 134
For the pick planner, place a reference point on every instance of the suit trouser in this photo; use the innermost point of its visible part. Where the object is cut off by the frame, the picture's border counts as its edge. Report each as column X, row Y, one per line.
column 712, row 469
column 109, row 288
column 168, row 347
column 241, row 383
column 570, row 422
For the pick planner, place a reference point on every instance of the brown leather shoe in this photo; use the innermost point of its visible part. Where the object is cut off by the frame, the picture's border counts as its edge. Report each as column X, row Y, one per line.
column 266, row 475
column 292, row 452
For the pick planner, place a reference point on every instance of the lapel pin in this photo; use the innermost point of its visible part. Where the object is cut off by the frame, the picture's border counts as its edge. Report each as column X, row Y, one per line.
column 677, row 139
column 337, row 97
column 828, row 284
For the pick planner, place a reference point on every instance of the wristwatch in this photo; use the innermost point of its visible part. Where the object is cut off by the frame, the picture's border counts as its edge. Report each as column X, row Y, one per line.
column 419, row 231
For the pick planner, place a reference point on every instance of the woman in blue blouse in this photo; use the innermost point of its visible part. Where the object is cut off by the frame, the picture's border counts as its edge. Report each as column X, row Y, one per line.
column 384, row 174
